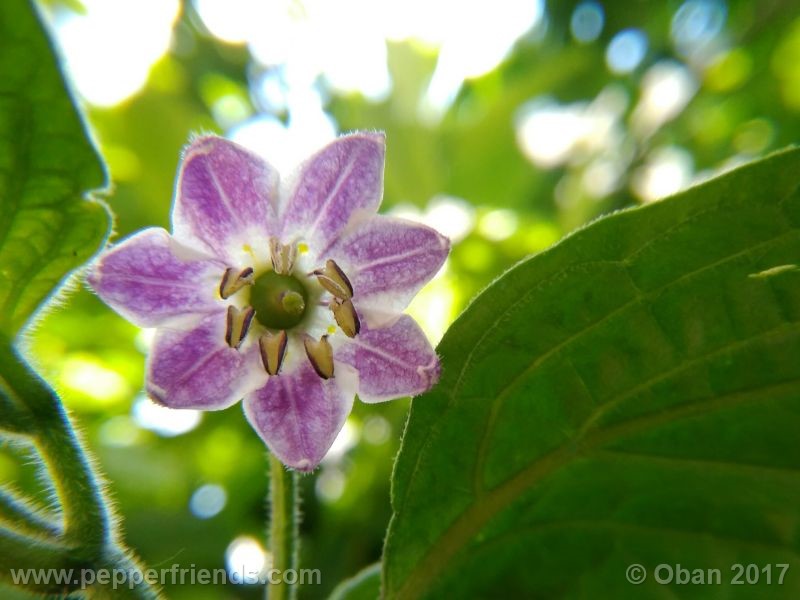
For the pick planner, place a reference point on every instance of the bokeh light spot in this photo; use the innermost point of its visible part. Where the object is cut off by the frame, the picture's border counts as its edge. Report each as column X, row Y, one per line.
column 208, row 501
column 120, row 432
column 246, row 560
column 345, row 439
column 92, row 380
column 667, row 171
column 696, row 22
column 667, row 87
column 499, row 224
column 166, row 422
column 753, row 137
column 587, row 21
column 729, row 70
column 111, row 47
column 330, row 484
column 376, row 430
column 626, row 51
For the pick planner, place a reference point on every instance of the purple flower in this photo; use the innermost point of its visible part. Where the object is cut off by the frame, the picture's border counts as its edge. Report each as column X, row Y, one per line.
column 285, row 292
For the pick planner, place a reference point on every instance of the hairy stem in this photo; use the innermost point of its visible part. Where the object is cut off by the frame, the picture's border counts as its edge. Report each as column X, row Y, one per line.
column 86, row 520
column 283, row 534
column 24, row 517
column 86, row 539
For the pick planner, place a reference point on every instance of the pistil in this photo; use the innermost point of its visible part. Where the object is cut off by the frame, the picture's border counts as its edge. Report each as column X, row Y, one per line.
column 280, row 301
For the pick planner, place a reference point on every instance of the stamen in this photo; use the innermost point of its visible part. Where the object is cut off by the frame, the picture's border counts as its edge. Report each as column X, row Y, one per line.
column 238, row 324
column 333, row 279
column 346, row 317
column 283, row 256
column 320, row 354
column 273, row 349
column 232, row 283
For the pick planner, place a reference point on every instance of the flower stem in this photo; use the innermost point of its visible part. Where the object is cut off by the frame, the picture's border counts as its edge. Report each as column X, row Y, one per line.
column 283, row 533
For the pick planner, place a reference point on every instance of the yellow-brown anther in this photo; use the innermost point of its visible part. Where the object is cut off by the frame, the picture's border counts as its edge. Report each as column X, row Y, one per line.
column 333, row 279
column 283, row 256
column 346, row 317
column 233, row 280
column 273, row 349
column 238, row 323
column 320, row 354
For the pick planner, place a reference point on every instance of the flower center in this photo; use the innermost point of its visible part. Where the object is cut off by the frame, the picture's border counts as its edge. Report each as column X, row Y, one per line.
column 280, row 301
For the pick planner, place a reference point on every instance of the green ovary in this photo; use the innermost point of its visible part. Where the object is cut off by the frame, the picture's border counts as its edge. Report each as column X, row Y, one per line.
column 280, row 301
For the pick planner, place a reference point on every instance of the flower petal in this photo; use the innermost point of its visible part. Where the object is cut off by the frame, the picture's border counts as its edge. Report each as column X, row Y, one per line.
column 298, row 415
column 151, row 279
column 387, row 261
column 197, row 369
column 392, row 361
column 343, row 178
column 224, row 199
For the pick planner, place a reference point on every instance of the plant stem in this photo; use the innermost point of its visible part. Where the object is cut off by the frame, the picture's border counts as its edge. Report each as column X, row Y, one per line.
column 283, row 533
column 89, row 540
column 86, row 520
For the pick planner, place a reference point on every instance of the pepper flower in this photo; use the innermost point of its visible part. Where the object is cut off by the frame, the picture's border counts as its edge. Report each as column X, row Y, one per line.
column 286, row 292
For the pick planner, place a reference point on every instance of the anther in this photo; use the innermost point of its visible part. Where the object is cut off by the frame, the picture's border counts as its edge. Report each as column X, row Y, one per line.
column 320, row 354
column 233, row 280
column 273, row 349
column 333, row 279
column 346, row 317
column 238, row 322
column 283, row 256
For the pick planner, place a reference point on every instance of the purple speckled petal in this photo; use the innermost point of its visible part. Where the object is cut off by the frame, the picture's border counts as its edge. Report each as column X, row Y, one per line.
column 196, row 369
column 224, row 199
column 342, row 179
column 392, row 361
column 150, row 279
column 387, row 261
column 298, row 415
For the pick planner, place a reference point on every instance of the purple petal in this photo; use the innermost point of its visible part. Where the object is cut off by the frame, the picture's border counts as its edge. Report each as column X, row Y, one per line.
column 392, row 361
column 387, row 261
column 224, row 198
column 298, row 415
column 344, row 178
column 151, row 279
column 197, row 369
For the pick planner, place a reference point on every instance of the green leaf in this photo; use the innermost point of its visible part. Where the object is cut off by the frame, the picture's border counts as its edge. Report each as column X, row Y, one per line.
column 47, row 163
column 631, row 395
column 364, row 585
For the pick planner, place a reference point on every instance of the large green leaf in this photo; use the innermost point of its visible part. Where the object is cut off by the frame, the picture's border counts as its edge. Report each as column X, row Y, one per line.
column 630, row 396
column 365, row 585
column 47, row 227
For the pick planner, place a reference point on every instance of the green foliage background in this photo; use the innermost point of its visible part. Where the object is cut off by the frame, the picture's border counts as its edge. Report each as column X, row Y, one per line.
column 747, row 105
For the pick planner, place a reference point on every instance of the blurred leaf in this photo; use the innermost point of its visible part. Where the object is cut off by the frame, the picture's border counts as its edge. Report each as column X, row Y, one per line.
column 366, row 585
column 630, row 396
column 47, row 163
